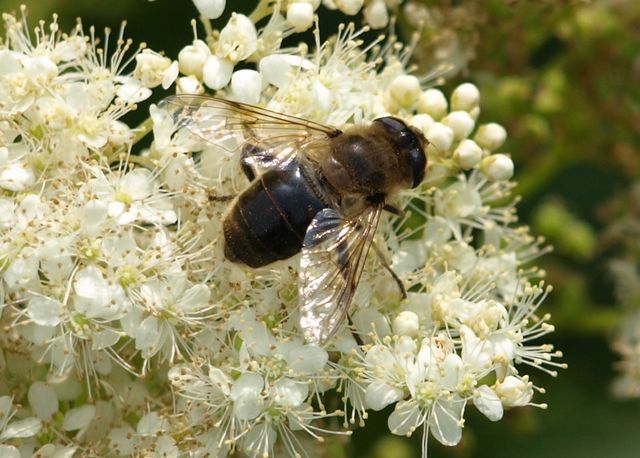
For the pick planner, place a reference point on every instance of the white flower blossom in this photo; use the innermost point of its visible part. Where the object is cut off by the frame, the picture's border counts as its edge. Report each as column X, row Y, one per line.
column 115, row 284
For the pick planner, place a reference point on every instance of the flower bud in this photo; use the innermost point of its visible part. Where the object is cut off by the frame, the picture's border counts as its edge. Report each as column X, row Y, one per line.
column 422, row 122
column 406, row 324
column 376, row 14
column 465, row 97
column 440, row 136
column 246, row 86
column 490, row 136
column 405, row 90
column 432, row 102
column 460, row 122
column 216, row 72
column 192, row 58
column 300, row 15
column 349, row 7
column 497, row 167
column 467, row 154
column 211, row 9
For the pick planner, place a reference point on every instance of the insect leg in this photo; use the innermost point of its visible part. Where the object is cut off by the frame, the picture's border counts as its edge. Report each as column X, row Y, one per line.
column 403, row 291
column 394, row 210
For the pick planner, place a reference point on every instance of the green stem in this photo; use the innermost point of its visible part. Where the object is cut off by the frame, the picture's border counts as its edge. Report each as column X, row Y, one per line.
column 142, row 130
column 262, row 10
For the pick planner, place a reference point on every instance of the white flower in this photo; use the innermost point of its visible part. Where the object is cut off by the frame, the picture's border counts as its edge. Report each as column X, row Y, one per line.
column 515, row 391
column 96, row 298
column 152, row 69
column 238, row 39
column 112, row 254
column 134, row 196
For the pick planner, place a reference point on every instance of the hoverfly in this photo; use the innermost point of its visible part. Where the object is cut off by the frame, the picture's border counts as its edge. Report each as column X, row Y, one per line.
column 313, row 188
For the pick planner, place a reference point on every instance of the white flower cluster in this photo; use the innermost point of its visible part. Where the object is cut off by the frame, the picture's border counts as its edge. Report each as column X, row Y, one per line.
column 114, row 281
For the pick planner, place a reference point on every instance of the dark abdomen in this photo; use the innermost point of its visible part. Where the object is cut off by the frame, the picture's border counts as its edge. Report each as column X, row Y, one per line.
column 268, row 221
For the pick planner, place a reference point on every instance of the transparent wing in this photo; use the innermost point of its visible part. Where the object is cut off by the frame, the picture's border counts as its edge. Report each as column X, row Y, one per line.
column 333, row 256
column 265, row 138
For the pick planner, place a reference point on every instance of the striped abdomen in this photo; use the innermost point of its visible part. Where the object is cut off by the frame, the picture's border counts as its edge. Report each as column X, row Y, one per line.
column 270, row 218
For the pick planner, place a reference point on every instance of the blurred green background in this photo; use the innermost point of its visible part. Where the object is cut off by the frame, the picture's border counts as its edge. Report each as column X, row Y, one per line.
column 564, row 78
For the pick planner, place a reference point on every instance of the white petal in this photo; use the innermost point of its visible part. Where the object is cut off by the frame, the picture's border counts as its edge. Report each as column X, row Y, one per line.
column 90, row 283
column 9, row 451
column 380, row 356
column 78, row 418
column 5, row 405
column 445, row 422
column 166, row 448
column 22, row 428
column 104, row 339
column 379, row 395
column 405, row 418
column 16, row 177
column 44, row 311
column 247, row 407
column 147, row 333
column 488, row 403
column 195, row 298
column 290, row 393
column 217, row 72
column 43, row 400
column 246, row 86
column 453, row 372
column 307, row 359
column 275, row 69
column 170, row 74
column 248, row 383
column 245, row 393
column 133, row 91
column 220, row 379
column 151, row 424
column 138, row 183
column 123, row 440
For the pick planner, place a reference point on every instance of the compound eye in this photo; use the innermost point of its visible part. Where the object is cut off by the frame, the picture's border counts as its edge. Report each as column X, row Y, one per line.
column 392, row 124
column 407, row 141
column 402, row 135
column 418, row 161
